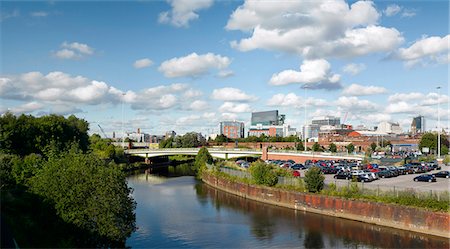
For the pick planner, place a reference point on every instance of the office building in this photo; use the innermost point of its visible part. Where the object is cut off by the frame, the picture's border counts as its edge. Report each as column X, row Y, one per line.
column 271, row 124
column 418, row 125
column 326, row 120
column 389, row 128
column 232, row 129
column 267, row 118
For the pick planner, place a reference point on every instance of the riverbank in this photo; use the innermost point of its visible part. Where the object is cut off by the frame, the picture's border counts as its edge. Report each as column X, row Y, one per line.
column 390, row 215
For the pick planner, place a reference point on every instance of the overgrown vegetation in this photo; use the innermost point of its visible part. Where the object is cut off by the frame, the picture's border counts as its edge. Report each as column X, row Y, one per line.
column 314, row 179
column 60, row 188
column 430, row 140
column 203, row 157
column 263, row 174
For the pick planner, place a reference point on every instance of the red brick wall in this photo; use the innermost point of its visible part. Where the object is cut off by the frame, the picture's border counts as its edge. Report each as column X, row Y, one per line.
column 400, row 217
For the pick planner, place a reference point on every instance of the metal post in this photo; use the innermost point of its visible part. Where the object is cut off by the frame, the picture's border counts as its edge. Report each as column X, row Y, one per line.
column 123, row 133
column 439, row 130
column 304, row 129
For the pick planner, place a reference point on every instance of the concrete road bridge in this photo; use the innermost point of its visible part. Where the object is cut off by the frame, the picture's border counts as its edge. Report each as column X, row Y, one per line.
column 227, row 153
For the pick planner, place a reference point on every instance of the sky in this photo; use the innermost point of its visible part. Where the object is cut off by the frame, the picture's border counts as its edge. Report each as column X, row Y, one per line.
column 186, row 65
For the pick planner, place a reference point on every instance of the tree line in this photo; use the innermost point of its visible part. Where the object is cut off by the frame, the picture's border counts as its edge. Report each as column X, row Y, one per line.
column 60, row 187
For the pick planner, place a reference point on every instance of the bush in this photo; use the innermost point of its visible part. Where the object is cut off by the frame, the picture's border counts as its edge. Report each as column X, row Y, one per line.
column 314, row 180
column 201, row 159
column 263, row 174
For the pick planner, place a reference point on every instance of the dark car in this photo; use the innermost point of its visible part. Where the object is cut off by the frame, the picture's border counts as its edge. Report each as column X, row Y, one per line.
column 443, row 174
column 298, row 166
column 363, row 178
column 425, row 178
column 343, row 175
column 385, row 174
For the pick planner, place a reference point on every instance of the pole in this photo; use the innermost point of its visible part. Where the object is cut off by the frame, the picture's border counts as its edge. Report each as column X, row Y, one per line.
column 123, row 133
column 439, row 120
column 304, row 129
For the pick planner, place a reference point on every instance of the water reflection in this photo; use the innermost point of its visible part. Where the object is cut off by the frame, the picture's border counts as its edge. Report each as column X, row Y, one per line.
column 184, row 213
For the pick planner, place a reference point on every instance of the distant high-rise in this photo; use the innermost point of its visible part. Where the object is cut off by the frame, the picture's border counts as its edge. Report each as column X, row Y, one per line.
column 267, row 118
column 326, row 120
column 418, row 125
column 232, row 129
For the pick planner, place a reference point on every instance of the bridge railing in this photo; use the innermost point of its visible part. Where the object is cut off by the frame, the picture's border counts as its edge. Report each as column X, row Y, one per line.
column 191, row 149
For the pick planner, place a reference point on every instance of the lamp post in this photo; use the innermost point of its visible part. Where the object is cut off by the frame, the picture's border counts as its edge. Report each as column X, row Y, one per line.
column 439, row 120
column 304, row 135
column 123, row 133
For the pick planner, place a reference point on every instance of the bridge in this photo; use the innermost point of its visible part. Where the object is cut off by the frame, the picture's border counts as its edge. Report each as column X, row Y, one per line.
column 223, row 153
column 227, row 153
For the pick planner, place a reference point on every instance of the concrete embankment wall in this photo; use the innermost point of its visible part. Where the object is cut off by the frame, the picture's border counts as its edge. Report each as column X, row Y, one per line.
column 401, row 217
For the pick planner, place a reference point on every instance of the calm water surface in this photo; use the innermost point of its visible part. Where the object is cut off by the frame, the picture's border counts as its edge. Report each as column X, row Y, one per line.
column 181, row 212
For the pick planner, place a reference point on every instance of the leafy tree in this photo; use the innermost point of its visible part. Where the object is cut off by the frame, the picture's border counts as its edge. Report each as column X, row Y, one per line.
column 314, row 179
column 263, row 173
column 203, row 157
column 300, row 146
column 221, row 139
column 166, row 143
column 23, row 170
column 316, row 147
column 350, row 148
column 430, row 140
column 101, row 147
column 89, row 194
column 333, row 147
column 373, row 146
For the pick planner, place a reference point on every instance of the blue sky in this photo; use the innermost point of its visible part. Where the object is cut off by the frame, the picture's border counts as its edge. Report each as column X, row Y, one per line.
column 187, row 65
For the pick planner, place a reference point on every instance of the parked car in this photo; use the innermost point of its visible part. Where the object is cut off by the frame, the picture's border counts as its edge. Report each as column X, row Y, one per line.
column 343, row 175
column 443, row 174
column 425, row 178
column 363, row 178
column 385, row 174
column 296, row 173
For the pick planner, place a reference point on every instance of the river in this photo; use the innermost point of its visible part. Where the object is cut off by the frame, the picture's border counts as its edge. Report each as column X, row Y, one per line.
column 181, row 212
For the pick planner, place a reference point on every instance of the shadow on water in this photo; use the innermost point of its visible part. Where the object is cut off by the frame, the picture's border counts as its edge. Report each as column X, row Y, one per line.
column 313, row 228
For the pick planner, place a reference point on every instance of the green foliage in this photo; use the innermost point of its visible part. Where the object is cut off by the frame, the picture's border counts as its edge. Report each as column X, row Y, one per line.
column 221, row 139
column 446, row 159
column 166, row 143
column 7, row 163
column 101, row 147
column 314, row 179
column 263, row 174
column 373, row 146
column 89, row 194
column 203, row 157
column 350, row 148
column 24, row 169
column 300, row 146
column 24, row 135
column 333, row 148
column 430, row 140
column 316, row 147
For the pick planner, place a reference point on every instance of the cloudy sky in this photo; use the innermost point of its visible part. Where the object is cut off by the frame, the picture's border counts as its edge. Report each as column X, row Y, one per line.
column 185, row 65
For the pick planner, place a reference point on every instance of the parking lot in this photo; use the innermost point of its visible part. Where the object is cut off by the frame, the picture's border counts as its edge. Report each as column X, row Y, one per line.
column 402, row 182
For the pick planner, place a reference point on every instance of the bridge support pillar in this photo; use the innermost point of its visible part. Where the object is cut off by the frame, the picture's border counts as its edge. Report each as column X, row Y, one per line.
column 226, row 156
column 265, row 154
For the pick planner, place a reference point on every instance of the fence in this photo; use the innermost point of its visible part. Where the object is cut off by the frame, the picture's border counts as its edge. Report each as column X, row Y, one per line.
column 286, row 181
column 392, row 191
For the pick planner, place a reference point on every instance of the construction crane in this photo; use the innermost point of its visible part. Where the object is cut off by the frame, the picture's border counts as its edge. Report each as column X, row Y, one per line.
column 103, row 132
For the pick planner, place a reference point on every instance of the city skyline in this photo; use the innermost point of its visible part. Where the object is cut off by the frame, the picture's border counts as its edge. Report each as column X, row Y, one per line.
column 186, row 66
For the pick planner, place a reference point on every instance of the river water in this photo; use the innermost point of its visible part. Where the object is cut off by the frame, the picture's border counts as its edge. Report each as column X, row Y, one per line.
column 181, row 212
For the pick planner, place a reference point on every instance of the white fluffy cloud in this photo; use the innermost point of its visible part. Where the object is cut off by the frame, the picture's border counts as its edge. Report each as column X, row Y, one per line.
column 193, row 65
column 192, row 93
column 146, row 62
column 355, row 104
column 234, row 107
column 60, row 92
column 427, row 50
column 199, row 105
column 392, row 10
column 314, row 29
column 232, row 94
column 354, row 68
column 183, row 11
column 419, row 98
column 294, row 101
column 74, row 50
column 313, row 73
column 359, row 90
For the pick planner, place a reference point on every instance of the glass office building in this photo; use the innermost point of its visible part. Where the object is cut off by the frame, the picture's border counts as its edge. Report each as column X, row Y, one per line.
column 267, row 118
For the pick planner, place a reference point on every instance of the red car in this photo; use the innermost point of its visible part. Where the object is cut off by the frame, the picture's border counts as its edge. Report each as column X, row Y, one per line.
column 296, row 173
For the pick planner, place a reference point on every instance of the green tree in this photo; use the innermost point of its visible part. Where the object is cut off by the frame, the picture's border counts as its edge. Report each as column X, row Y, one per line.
column 316, row 147
column 430, row 140
column 333, row 148
column 166, row 143
column 314, row 179
column 221, row 139
column 350, row 148
column 300, row 146
column 89, row 194
column 203, row 157
column 373, row 146
column 263, row 173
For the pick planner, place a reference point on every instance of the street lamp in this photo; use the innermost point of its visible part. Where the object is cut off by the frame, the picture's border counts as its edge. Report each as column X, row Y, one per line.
column 304, row 130
column 439, row 120
column 123, row 133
